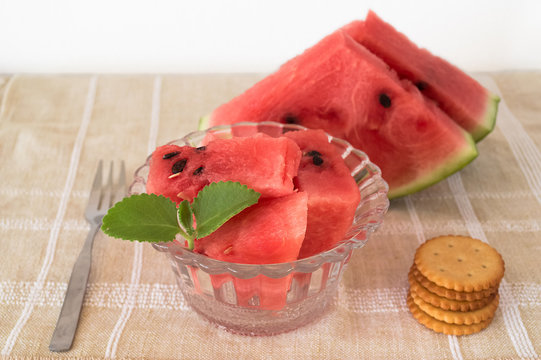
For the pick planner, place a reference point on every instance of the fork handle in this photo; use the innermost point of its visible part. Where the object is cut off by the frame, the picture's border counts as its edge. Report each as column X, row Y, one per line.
column 68, row 319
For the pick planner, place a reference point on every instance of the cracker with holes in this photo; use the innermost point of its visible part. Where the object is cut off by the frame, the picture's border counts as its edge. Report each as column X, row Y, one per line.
column 460, row 263
column 457, row 317
column 451, row 294
column 467, row 304
column 441, row 326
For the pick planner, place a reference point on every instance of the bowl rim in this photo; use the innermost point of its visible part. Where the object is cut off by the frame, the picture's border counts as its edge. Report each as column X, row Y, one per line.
column 338, row 253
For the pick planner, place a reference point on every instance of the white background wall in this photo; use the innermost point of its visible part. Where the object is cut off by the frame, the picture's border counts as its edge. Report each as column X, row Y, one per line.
column 164, row 36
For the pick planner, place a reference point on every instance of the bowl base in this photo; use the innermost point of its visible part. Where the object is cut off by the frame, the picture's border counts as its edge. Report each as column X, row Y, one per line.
column 241, row 320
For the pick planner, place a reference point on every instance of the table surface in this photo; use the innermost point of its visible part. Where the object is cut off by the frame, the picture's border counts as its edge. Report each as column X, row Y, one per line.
column 53, row 131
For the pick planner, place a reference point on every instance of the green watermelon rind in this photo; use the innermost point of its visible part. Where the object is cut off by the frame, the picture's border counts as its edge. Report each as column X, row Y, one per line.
column 462, row 158
column 489, row 119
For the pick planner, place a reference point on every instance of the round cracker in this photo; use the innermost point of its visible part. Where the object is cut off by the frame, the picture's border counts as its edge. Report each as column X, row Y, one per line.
column 460, row 263
column 443, row 302
column 458, row 317
column 441, row 326
column 448, row 293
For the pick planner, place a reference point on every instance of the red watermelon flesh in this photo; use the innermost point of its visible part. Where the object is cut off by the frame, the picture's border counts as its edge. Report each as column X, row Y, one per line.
column 268, row 232
column 467, row 102
column 263, row 163
column 339, row 86
column 333, row 195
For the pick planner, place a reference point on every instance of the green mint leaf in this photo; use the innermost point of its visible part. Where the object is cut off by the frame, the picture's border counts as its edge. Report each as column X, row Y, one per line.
column 218, row 202
column 143, row 217
column 185, row 216
column 153, row 218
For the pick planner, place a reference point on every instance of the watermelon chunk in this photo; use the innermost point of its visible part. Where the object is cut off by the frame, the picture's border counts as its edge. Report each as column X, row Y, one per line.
column 333, row 194
column 268, row 232
column 271, row 231
column 339, row 86
column 467, row 102
column 263, row 163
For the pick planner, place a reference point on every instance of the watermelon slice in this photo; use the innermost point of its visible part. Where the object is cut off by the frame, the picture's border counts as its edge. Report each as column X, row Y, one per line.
column 333, row 194
column 467, row 102
column 271, row 231
column 268, row 232
column 339, row 86
column 180, row 172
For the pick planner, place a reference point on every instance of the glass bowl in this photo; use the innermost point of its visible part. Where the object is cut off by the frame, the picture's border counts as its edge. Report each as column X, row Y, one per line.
column 273, row 298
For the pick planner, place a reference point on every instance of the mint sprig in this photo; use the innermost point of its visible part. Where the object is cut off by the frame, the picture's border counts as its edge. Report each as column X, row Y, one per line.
column 218, row 202
column 144, row 217
column 153, row 218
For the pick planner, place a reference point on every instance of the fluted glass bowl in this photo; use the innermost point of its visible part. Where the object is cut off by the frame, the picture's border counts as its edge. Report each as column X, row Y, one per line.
column 273, row 298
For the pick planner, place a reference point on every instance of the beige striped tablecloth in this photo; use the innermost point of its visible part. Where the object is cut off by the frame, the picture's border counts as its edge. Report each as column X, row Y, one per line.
column 53, row 131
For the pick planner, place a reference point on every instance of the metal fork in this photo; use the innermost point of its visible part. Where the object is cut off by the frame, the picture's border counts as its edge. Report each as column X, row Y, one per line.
column 102, row 197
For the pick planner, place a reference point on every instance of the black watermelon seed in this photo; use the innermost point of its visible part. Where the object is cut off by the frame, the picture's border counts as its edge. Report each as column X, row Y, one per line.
column 179, row 166
column 170, row 155
column 198, row 171
column 385, row 100
column 317, row 160
column 421, row 85
column 291, row 119
column 313, row 153
column 201, row 148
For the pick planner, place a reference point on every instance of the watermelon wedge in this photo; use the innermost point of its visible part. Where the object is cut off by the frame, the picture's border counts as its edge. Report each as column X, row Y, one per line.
column 333, row 195
column 467, row 102
column 272, row 231
column 339, row 86
column 180, row 172
column 268, row 232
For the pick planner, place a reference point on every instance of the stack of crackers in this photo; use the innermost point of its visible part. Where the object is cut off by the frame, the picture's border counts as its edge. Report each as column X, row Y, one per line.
column 454, row 283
